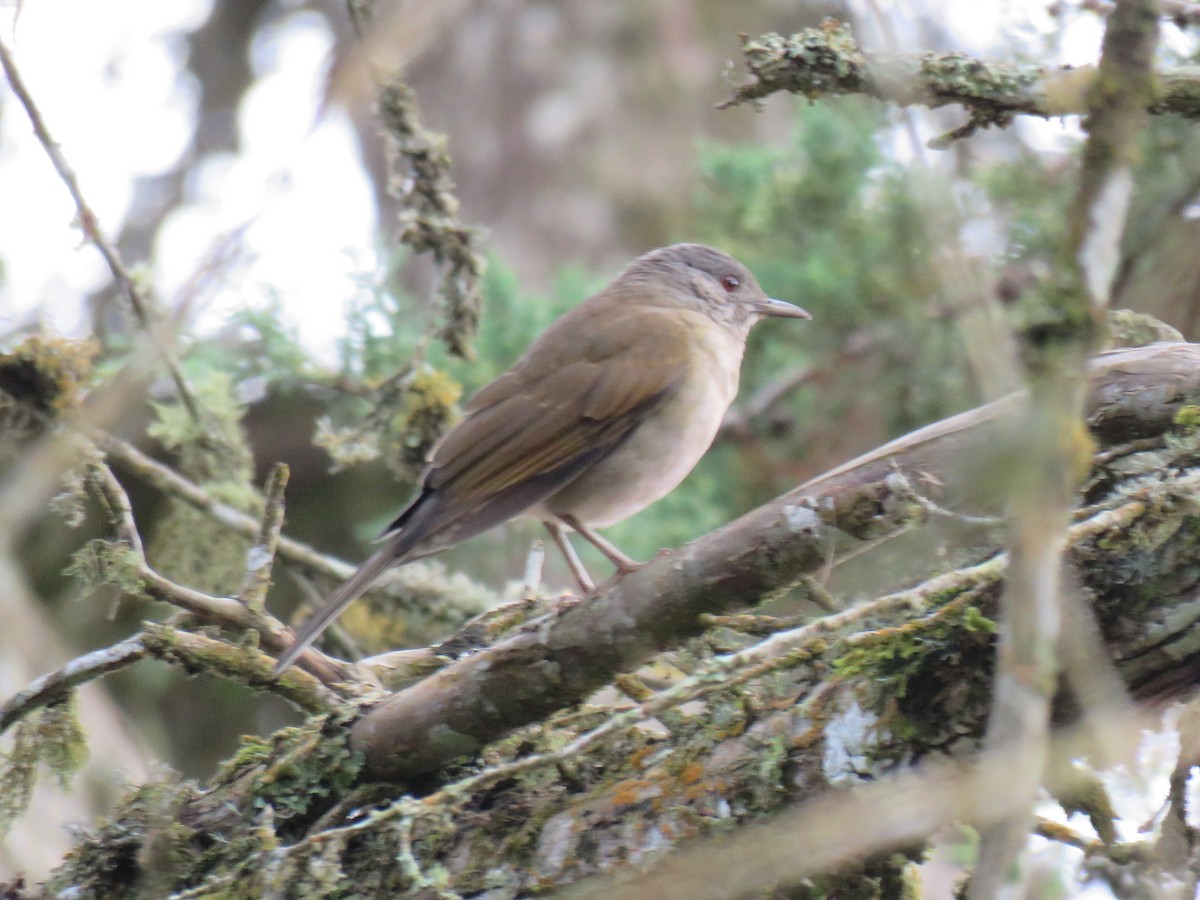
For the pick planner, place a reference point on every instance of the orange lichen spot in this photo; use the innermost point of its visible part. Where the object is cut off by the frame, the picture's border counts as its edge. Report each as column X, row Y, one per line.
column 633, row 791
column 692, row 773
column 638, row 759
column 806, row 739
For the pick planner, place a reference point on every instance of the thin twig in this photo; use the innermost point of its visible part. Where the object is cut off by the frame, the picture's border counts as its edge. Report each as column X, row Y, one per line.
column 763, row 402
column 116, row 501
column 91, row 228
column 532, row 582
column 1028, row 660
column 737, row 421
column 51, row 686
column 442, row 599
column 261, row 557
column 226, row 612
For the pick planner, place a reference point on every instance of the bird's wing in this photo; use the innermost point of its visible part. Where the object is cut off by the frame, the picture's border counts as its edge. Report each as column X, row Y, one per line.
column 555, row 414
column 525, row 436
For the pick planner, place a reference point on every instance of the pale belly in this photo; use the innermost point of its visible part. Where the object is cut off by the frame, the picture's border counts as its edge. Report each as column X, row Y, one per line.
column 656, row 457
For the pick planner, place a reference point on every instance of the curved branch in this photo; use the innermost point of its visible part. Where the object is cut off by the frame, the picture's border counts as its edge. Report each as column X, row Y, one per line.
column 53, row 685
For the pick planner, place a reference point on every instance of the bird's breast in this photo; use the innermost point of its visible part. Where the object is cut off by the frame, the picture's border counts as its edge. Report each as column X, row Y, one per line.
column 666, row 446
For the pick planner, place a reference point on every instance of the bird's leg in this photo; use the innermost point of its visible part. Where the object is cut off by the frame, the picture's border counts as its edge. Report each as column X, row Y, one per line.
column 574, row 563
column 623, row 563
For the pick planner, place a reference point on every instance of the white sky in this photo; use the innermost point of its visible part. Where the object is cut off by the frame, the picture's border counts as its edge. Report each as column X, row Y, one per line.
column 109, row 91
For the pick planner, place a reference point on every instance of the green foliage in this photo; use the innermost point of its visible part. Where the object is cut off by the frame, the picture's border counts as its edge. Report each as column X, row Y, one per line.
column 18, row 775
column 830, row 221
column 99, row 563
column 385, row 330
column 51, row 735
column 213, row 446
column 258, row 343
column 276, row 354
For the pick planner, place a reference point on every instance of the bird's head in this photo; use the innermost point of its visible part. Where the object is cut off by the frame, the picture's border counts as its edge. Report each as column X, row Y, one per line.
column 693, row 276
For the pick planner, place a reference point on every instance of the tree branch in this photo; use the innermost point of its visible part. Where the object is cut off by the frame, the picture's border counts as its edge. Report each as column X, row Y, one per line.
column 54, row 685
column 1063, row 328
column 227, row 612
column 827, row 62
column 443, row 599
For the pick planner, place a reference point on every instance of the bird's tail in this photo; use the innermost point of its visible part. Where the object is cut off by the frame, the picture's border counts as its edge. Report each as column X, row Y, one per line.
column 401, row 546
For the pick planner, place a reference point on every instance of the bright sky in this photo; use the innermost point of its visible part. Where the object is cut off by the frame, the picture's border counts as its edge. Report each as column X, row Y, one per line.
column 110, row 92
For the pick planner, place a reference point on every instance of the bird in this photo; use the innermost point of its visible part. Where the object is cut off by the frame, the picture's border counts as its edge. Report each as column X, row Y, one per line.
column 606, row 412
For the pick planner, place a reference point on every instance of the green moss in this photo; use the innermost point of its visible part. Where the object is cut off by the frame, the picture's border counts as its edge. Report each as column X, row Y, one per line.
column 46, row 373
column 186, row 544
column 151, row 845
column 139, row 853
column 310, row 765
column 429, row 406
column 60, row 735
column 100, row 563
column 928, row 671
column 1127, row 328
column 1187, row 417
column 18, row 775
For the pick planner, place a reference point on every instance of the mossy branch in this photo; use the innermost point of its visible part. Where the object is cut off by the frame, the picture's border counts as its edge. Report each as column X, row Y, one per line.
column 421, row 181
column 827, row 62
column 422, row 587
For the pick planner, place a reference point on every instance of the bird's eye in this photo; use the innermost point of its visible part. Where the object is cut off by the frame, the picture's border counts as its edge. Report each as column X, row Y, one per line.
column 731, row 283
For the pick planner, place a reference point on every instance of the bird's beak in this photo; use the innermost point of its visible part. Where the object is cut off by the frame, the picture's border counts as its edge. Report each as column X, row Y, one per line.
column 781, row 310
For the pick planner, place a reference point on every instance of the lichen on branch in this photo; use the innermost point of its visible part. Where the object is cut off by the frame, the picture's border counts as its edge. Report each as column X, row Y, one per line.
column 827, row 62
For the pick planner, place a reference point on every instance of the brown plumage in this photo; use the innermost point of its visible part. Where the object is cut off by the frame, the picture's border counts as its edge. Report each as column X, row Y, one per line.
column 605, row 413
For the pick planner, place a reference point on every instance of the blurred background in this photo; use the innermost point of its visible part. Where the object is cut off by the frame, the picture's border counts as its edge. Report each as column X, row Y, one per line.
column 232, row 153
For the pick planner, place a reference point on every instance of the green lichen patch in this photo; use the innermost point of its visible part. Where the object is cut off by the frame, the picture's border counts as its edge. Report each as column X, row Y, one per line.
column 1187, row 417
column 428, row 408
column 308, row 768
column 186, row 545
column 100, row 563
column 47, row 374
column 142, row 852
column 1127, row 328
column 50, row 736
column 265, row 797
column 928, row 671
